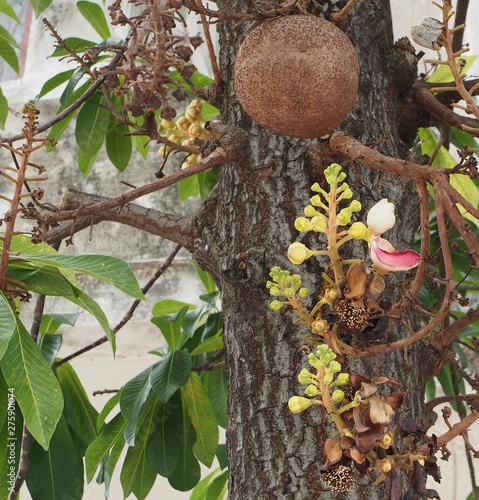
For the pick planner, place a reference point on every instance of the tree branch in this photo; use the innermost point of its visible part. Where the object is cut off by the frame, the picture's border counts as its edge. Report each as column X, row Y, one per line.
column 172, row 227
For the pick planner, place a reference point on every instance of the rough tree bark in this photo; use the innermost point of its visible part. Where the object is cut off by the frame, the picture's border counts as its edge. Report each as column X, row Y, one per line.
column 245, row 229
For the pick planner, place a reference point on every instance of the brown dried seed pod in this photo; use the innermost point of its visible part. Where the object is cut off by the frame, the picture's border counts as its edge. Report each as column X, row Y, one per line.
column 297, row 75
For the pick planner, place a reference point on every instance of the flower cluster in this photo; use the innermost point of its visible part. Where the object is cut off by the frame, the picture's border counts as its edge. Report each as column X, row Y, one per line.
column 184, row 131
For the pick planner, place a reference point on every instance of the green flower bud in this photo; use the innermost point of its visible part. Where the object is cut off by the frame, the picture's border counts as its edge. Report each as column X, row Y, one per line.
column 275, row 291
column 289, row 292
column 322, row 350
column 303, row 225
column 338, row 395
column 316, row 201
column 358, row 230
column 276, row 305
column 342, row 379
column 310, row 211
column 319, row 223
column 303, row 292
column 334, row 367
column 347, row 194
column 332, row 173
column 314, row 361
column 311, row 390
column 355, row 206
column 344, row 217
column 328, row 378
column 297, row 404
column 306, row 377
column 318, row 189
column 341, row 177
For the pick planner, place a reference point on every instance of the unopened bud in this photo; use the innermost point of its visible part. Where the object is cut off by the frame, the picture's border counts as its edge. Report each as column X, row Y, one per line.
column 297, row 404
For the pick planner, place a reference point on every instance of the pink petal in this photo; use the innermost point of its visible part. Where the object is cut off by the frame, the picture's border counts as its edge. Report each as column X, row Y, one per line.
column 386, row 257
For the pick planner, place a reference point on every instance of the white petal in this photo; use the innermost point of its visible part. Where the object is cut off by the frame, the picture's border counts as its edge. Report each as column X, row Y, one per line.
column 381, row 217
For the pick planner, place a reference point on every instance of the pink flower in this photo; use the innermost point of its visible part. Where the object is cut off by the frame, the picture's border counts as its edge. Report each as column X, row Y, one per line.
column 387, row 258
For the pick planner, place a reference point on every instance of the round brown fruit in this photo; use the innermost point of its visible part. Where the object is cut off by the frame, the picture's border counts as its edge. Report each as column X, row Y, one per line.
column 297, row 76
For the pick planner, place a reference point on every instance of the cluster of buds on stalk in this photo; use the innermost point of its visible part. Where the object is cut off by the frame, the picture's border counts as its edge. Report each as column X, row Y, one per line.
column 185, row 130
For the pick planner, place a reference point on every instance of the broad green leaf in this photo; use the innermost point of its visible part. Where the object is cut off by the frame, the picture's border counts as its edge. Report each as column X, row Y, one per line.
column 9, row 399
column 7, row 9
column 213, row 326
column 21, row 243
column 203, row 419
column 443, row 73
column 3, row 109
column 142, row 144
column 99, row 448
column 79, row 412
column 208, row 111
column 207, row 181
column 170, row 373
column 212, row 344
column 7, row 53
column 57, row 473
column 90, row 130
column 118, row 143
column 10, row 441
column 77, row 44
column 187, row 472
column 54, row 82
column 94, row 14
column 205, row 277
column 49, row 345
column 5, row 35
column 134, row 395
column 188, row 188
column 218, row 394
column 8, row 323
column 463, row 184
column 36, row 388
column 137, row 476
column 170, row 327
column 222, row 455
column 218, row 487
column 200, row 490
column 166, row 443
column 199, row 80
column 109, row 269
column 109, row 405
column 169, row 306
column 77, row 75
column 51, row 322
column 40, row 5
column 461, row 139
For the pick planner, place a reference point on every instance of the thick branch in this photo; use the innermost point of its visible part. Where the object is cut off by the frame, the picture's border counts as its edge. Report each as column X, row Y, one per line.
column 172, row 227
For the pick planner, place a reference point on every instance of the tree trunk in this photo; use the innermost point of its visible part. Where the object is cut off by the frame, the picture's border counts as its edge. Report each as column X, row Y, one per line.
column 273, row 453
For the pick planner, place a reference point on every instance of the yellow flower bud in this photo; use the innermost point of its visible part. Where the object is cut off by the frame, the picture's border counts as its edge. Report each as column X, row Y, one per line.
column 338, row 395
column 174, row 138
column 276, row 305
column 319, row 326
column 303, row 225
column 387, row 440
column 358, row 230
column 334, row 367
column 297, row 404
column 385, row 466
column 195, row 130
column 298, row 253
column 163, row 151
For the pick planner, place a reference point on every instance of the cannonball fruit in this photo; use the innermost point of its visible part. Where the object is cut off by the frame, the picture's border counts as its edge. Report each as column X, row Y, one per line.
column 297, row 76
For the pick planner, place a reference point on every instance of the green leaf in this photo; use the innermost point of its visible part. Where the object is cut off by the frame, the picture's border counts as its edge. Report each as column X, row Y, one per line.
column 54, row 82
column 207, row 181
column 78, row 74
column 443, row 73
column 7, row 9
column 134, row 395
column 98, row 449
column 3, row 109
column 90, row 130
column 79, row 45
column 51, row 322
column 205, row 277
column 8, row 323
column 5, row 35
column 109, row 405
column 170, row 327
column 109, row 269
column 36, row 388
column 57, row 473
column 170, row 373
column 208, row 111
column 94, row 14
column 188, row 188
column 118, row 143
column 79, row 412
column 49, row 345
column 166, row 443
column 142, row 144
column 169, row 306
column 200, row 490
column 222, row 455
column 203, row 419
column 463, row 184
column 187, row 472
column 218, row 394
column 212, row 344
column 40, row 5
column 218, row 487
column 137, row 476
column 7, row 53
